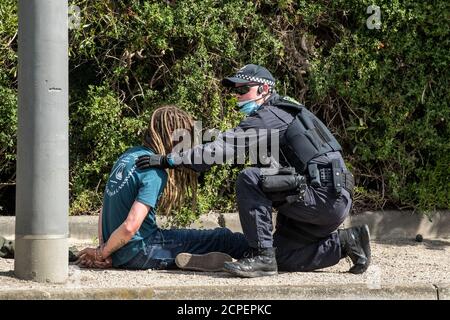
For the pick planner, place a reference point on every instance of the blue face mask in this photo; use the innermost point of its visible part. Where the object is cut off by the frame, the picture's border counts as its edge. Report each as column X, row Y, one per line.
column 247, row 106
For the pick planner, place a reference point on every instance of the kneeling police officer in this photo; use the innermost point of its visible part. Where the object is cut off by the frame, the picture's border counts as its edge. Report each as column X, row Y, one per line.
column 308, row 184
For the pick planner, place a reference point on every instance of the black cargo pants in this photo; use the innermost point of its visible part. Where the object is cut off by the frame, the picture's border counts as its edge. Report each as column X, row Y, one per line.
column 316, row 220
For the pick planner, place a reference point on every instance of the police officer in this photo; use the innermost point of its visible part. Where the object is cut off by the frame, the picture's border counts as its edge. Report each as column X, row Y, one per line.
column 319, row 196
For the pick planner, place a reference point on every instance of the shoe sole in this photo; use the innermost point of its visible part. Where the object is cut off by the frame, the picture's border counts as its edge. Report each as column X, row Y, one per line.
column 209, row 262
column 365, row 238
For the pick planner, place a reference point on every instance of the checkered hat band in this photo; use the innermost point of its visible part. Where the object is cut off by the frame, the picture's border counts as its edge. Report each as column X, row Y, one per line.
column 255, row 79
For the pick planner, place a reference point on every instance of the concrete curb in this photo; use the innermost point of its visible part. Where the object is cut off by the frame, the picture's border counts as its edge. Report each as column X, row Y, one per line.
column 443, row 291
column 309, row 292
column 384, row 225
column 329, row 292
column 79, row 294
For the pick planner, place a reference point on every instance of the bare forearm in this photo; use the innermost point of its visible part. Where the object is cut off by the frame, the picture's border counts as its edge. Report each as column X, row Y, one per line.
column 118, row 239
column 99, row 224
column 127, row 229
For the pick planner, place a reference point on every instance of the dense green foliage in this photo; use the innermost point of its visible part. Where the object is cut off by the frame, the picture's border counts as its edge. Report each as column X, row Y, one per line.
column 384, row 92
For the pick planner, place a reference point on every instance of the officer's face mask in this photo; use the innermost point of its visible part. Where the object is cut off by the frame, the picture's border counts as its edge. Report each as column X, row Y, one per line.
column 248, row 106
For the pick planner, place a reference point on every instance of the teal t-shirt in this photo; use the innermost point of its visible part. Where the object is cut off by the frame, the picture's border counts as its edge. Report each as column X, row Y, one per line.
column 126, row 185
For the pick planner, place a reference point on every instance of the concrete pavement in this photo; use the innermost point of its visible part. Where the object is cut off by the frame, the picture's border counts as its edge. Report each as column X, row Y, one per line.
column 401, row 269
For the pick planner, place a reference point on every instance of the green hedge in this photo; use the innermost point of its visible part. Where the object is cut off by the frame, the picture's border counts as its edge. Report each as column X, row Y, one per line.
column 384, row 92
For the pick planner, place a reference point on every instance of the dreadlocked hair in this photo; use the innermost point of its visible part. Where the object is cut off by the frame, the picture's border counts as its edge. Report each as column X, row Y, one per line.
column 181, row 182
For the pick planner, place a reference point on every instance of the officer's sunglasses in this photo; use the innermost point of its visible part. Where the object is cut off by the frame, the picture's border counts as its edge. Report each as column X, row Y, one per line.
column 242, row 89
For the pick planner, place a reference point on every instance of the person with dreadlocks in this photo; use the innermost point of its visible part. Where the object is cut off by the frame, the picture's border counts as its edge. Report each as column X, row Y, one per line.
column 128, row 234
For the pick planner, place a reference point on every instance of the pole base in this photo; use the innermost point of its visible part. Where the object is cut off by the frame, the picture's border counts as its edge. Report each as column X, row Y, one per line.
column 42, row 260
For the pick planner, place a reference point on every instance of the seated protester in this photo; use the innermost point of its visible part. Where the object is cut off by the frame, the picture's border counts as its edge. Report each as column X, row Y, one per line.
column 128, row 234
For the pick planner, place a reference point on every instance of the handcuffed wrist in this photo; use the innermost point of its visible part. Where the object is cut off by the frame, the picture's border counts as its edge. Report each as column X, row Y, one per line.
column 99, row 253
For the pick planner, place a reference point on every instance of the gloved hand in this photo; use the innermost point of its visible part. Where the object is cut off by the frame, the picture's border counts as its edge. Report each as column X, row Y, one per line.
column 153, row 161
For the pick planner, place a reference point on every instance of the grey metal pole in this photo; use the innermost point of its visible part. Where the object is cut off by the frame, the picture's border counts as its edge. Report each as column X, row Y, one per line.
column 42, row 192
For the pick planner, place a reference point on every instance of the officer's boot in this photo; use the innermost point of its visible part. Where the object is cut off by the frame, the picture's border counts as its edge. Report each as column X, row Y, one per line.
column 355, row 243
column 260, row 263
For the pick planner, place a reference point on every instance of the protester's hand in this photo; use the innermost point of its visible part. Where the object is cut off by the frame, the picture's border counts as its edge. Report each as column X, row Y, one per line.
column 153, row 161
column 105, row 264
column 89, row 258
column 86, row 258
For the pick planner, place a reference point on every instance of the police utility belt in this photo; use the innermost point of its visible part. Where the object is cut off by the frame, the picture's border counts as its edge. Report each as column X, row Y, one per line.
column 280, row 180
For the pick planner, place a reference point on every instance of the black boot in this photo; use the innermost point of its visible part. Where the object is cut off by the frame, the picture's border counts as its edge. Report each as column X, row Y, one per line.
column 355, row 243
column 261, row 263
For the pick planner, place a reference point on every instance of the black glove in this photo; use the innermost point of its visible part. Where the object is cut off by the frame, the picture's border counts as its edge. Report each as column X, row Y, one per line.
column 153, row 161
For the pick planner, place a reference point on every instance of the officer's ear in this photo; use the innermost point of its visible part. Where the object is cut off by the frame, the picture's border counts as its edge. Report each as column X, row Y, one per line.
column 265, row 89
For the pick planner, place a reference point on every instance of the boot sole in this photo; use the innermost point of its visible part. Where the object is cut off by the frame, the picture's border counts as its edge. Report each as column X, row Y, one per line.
column 365, row 237
column 253, row 274
column 209, row 262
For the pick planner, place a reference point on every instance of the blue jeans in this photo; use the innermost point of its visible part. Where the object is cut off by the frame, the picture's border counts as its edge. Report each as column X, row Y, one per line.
column 161, row 249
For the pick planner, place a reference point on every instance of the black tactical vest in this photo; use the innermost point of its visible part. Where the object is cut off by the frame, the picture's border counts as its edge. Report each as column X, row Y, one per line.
column 306, row 136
